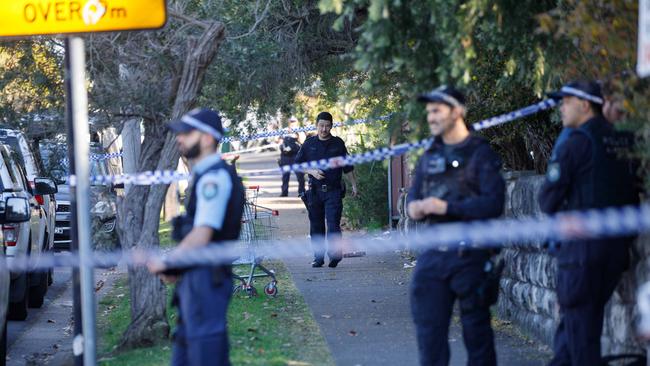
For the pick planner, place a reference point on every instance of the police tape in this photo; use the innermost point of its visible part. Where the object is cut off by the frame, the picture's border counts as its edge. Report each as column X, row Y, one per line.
column 167, row 177
column 497, row 233
column 523, row 112
column 99, row 157
column 252, row 149
column 289, row 131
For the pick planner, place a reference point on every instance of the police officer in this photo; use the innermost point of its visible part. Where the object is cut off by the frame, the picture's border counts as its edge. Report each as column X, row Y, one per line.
column 213, row 214
column 325, row 196
column 457, row 179
column 288, row 151
column 586, row 173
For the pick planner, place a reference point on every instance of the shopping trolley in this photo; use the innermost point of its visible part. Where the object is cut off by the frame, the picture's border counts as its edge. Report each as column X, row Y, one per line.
column 258, row 225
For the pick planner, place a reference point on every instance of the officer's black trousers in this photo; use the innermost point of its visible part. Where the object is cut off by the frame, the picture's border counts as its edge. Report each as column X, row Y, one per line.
column 582, row 292
column 285, row 182
column 325, row 207
column 288, row 160
column 439, row 280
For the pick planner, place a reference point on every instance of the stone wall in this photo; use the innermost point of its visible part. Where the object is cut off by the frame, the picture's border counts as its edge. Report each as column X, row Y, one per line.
column 527, row 296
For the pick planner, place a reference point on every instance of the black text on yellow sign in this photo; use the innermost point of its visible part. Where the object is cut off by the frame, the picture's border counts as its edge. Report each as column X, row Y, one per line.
column 38, row 17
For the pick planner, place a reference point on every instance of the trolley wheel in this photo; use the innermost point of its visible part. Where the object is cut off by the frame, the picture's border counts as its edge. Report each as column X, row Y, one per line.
column 271, row 289
column 236, row 289
column 251, row 291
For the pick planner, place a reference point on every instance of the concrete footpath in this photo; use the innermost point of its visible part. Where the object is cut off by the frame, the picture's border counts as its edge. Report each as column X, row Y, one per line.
column 362, row 306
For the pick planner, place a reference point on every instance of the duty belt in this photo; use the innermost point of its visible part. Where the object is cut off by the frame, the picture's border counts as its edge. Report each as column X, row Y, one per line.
column 324, row 187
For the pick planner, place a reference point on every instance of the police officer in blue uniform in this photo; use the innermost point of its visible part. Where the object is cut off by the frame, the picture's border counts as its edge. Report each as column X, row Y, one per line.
column 324, row 199
column 588, row 172
column 213, row 215
column 457, row 179
column 288, row 151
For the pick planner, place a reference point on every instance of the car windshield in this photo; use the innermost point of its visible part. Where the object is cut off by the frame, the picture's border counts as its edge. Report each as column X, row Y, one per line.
column 55, row 160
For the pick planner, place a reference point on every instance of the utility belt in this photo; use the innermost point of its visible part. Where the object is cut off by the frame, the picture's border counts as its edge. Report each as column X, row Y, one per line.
column 322, row 187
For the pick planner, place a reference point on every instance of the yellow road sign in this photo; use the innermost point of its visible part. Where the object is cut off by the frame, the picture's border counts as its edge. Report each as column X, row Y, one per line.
column 37, row 17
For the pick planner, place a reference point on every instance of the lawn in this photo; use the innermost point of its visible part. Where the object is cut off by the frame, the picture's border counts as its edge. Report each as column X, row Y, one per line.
column 262, row 330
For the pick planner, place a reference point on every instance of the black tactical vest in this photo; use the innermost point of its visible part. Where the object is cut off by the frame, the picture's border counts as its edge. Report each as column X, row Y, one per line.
column 610, row 181
column 449, row 172
column 232, row 224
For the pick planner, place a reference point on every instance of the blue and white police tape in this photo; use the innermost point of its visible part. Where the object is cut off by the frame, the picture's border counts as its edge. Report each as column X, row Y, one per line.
column 496, row 233
column 252, row 149
column 523, row 112
column 288, row 131
column 166, row 177
column 488, row 123
column 99, row 157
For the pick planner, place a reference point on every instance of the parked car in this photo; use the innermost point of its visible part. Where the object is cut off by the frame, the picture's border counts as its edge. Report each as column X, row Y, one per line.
column 103, row 198
column 33, row 168
column 27, row 288
column 14, row 210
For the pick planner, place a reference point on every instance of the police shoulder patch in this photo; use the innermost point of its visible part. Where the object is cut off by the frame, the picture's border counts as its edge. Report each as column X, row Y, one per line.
column 209, row 190
column 553, row 173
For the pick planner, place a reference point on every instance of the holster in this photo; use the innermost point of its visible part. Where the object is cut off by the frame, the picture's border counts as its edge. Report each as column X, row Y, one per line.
column 488, row 291
column 306, row 198
column 220, row 273
column 181, row 226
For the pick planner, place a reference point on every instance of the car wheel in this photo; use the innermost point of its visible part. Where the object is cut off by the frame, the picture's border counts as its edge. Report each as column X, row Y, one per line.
column 18, row 310
column 38, row 291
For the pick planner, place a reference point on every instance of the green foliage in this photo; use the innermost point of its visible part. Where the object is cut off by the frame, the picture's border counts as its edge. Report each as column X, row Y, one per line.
column 489, row 48
column 31, row 84
column 370, row 209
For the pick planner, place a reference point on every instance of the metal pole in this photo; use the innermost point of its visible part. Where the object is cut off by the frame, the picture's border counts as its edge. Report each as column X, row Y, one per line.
column 81, row 154
column 77, row 348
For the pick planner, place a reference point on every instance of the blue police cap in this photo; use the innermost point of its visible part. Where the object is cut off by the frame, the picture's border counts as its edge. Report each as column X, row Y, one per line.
column 586, row 90
column 203, row 119
column 444, row 94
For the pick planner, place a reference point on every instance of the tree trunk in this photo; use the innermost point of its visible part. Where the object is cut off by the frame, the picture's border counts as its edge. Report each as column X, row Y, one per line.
column 130, row 148
column 140, row 222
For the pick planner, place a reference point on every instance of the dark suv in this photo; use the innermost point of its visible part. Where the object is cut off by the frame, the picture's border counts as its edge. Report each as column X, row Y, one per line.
column 103, row 199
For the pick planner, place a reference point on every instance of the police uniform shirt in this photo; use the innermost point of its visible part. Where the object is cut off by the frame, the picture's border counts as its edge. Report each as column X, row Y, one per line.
column 212, row 193
column 316, row 149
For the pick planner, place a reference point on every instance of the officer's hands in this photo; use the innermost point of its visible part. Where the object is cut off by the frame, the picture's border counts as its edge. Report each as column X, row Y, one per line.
column 317, row 173
column 156, row 265
column 434, row 206
column 415, row 210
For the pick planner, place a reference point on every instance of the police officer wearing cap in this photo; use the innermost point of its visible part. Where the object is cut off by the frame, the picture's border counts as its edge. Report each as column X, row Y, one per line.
column 457, row 179
column 324, row 199
column 587, row 172
column 213, row 215
column 288, row 150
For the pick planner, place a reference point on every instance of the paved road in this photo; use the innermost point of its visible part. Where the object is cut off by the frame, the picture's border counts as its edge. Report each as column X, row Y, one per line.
column 45, row 337
column 362, row 306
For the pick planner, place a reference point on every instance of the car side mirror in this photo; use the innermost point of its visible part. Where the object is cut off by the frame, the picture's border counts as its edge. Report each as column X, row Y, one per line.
column 16, row 210
column 45, row 186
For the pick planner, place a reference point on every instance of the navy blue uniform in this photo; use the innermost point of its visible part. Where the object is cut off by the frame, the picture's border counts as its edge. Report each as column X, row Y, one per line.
column 202, row 294
column 288, row 151
column 587, row 173
column 468, row 177
column 325, row 197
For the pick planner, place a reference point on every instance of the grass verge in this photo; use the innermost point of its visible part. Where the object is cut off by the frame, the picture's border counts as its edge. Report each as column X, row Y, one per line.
column 262, row 330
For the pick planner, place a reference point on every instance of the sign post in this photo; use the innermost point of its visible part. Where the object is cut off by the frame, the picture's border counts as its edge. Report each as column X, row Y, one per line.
column 643, row 49
column 22, row 18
